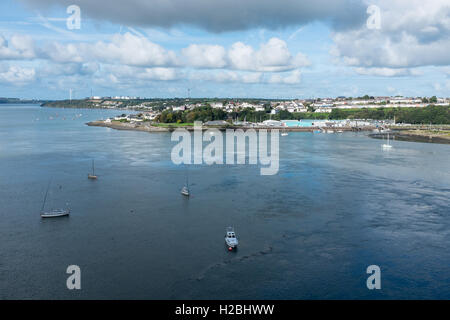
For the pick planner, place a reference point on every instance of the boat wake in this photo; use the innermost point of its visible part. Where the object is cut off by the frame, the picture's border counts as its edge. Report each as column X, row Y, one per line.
column 202, row 275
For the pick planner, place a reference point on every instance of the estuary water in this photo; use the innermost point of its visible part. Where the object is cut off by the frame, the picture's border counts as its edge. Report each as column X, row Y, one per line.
column 338, row 204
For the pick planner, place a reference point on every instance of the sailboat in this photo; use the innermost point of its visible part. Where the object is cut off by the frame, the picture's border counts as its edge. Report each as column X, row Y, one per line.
column 54, row 212
column 185, row 189
column 92, row 176
column 388, row 145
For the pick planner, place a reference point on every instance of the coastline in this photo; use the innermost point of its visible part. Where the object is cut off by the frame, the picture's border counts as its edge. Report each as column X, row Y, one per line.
column 415, row 136
column 147, row 127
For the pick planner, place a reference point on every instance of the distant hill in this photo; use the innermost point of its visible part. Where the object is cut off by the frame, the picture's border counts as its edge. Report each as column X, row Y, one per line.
column 17, row 100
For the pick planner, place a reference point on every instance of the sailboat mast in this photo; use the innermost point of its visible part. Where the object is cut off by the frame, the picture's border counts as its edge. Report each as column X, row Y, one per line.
column 93, row 172
column 45, row 198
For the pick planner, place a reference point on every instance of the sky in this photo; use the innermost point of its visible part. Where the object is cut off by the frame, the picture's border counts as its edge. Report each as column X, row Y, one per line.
column 234, row 48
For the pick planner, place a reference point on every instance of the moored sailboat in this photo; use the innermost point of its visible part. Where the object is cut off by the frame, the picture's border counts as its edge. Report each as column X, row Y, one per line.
column 388, row 145
column 185, row 189
column 54, row 212
column 92, row 176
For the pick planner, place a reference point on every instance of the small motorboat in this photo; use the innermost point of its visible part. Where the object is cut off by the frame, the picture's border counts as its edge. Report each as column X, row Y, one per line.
column 55, row 213
column 231, row 239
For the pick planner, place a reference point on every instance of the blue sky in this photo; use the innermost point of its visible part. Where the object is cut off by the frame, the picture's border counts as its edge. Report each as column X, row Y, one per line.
column 267, row 49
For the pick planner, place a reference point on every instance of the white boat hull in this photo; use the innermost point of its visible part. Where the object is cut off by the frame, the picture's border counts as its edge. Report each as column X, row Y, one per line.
column 55, row 214
column 185, row 192
column 230, row 244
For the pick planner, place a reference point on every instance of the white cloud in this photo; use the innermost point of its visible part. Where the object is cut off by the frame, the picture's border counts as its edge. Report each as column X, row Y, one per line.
column 272, row 56
column 413, row 33
column 287, row 78
column 387, row 72
column 133, row 50
column 129, row 59
column 130, row 74
column 127, row 49
column 17, row 75
column 66, row 69
column 18, row 47
column 205, row 56
column 274, row 53
column 293, row 77
column 228, row 76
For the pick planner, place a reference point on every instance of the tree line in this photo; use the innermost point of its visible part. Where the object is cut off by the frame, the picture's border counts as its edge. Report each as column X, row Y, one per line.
column 430, row 114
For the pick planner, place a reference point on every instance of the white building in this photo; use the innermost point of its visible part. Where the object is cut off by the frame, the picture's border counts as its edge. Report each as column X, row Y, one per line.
column 216, row 105
column 323, row 109
column 259, row 107
column 272, row 123
column 179, row 108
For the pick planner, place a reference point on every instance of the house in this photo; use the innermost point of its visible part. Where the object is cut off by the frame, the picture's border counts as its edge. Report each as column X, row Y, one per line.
column 259, row 107
column 216, row 105
column 179, row 108
column 245, row 105
column 134, row 118
column 323, row 109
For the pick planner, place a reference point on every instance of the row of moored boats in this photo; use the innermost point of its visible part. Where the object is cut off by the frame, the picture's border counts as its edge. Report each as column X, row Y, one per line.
column 230, row 235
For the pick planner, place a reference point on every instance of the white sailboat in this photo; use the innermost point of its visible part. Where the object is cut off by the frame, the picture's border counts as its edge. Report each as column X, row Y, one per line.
column 54, row 212
column 388, row 145
column 185, row 189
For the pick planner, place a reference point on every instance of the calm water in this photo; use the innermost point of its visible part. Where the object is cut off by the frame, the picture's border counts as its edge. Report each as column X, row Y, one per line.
column 337, row 205
column 309, row 122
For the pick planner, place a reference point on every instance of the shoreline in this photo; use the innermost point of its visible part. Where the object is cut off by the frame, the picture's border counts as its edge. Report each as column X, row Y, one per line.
column 412, row 136
column 147, row 127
